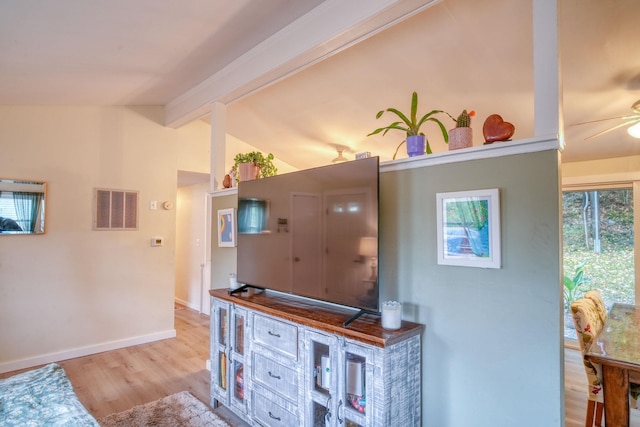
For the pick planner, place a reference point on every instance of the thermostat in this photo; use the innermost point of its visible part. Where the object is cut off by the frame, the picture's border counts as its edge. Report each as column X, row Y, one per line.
column 167, row 205
column 157, row 241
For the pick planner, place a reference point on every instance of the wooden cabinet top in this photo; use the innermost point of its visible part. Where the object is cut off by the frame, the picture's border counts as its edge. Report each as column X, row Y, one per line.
column 325, row 317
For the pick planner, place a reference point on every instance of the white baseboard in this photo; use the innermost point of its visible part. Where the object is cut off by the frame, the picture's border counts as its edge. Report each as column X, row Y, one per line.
column 84, row 351
column 188, row 304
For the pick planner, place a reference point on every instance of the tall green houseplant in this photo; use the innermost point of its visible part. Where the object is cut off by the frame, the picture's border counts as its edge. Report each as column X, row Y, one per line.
column 411, row 125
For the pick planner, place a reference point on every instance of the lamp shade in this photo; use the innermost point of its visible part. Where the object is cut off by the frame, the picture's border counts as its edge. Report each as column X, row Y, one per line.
column 368, row 246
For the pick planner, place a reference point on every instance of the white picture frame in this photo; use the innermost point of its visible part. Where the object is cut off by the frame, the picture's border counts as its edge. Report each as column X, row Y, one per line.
column 226, row 228
column 468, row 228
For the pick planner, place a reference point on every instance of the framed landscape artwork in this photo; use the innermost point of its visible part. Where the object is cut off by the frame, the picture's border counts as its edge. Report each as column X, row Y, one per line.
column 468, row 228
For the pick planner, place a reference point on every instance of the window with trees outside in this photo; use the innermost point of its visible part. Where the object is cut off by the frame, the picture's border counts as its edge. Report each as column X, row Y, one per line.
column 598, row 246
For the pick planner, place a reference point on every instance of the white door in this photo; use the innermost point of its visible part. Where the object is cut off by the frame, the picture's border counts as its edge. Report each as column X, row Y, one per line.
column 306, row 245
column 347, row 217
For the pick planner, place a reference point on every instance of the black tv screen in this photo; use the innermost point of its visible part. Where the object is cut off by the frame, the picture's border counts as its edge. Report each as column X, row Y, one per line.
column 313, row 233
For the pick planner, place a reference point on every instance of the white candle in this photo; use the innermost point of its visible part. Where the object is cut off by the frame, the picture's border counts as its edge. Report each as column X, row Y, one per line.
column 391, row 315
column 233, row 283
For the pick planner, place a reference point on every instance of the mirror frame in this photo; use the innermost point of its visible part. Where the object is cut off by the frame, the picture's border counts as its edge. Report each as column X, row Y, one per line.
column 37, row 188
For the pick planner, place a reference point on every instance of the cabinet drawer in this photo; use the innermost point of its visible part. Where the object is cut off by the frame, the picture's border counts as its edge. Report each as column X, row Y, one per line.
column 276, row 335
column 276, row 377
column 269, row 413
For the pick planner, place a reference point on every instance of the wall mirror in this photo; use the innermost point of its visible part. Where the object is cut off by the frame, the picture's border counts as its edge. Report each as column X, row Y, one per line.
column 22, row 206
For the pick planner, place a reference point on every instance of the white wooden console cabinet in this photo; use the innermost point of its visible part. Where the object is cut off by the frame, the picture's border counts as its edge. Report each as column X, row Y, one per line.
column 278, row 360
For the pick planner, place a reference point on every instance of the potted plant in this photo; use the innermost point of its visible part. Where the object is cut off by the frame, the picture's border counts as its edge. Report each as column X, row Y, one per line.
column 416, row 140
column 574, row 287
column 462, row 136
column 253, row 165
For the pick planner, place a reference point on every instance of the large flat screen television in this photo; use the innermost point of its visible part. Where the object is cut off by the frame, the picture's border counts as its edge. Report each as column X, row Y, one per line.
column 313, row 233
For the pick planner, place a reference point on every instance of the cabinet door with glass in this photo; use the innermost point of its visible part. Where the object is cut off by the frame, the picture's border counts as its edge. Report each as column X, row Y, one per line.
column 220, row 349
column 228, row 345
column 237, row 367
column 321, row 382
column 355, row 387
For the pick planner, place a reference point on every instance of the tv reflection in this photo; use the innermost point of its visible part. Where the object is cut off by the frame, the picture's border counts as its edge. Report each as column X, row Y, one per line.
column 313, row 233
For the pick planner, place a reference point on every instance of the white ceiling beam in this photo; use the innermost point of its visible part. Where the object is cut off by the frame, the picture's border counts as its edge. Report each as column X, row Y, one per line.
column 326, row 30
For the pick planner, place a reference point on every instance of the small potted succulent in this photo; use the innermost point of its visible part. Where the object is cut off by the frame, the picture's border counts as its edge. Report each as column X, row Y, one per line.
column 253, row 165
column 416, row 140
column 462, row 135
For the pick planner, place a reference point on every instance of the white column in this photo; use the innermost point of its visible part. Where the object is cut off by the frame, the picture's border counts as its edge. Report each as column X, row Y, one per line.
column 546, row 71
column 218, row 140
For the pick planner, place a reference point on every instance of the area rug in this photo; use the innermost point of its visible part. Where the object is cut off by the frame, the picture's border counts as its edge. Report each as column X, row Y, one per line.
column 178, row 410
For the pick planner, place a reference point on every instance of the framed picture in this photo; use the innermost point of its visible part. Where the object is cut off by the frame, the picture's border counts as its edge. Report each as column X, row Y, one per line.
column 226, row 228
column 469, row 228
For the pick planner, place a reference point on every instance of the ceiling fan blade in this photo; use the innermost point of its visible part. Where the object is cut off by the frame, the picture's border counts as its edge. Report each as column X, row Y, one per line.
column 629, row 122
column 604, row 120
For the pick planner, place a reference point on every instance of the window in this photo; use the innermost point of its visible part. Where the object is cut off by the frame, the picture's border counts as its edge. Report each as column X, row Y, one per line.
column 598, row 245
column 115, row 210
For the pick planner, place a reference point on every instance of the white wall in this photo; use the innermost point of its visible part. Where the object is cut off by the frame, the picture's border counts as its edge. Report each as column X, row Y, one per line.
column 605, row 170
column 194, row 147
column 75, row 291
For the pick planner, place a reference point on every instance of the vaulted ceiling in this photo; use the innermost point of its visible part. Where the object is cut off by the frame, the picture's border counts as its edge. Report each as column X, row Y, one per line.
column 457, row 54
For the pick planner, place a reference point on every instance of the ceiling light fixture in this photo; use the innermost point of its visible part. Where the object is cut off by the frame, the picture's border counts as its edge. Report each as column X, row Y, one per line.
column 634, row 130
column 340, row 157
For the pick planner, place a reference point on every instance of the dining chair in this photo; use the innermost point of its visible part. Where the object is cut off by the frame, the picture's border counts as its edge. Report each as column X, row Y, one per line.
column 588, row 321
column 595, row 296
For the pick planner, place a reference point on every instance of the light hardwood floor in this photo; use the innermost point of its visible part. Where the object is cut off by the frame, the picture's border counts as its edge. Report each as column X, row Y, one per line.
column 118, row 380
column 575, row 389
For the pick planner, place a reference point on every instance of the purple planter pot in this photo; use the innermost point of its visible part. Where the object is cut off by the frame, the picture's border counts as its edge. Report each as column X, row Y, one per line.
column 416, row 145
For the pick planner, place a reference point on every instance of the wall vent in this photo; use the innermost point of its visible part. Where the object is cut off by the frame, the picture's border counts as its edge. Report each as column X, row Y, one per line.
column 115, row 210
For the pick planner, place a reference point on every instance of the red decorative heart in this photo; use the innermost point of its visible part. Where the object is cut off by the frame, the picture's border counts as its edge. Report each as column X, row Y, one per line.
column 496, row 129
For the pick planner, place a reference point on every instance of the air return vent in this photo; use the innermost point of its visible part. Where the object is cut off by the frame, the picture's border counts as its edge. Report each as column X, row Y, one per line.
column 115, row 210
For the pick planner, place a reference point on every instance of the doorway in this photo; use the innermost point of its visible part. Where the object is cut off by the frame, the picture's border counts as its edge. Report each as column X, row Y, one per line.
column 192, row 253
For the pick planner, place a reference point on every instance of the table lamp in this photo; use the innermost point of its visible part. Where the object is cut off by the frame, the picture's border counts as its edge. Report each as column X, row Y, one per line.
column 369, row 248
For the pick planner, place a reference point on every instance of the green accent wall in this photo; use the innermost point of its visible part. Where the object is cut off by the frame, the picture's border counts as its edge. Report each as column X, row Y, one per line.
column 492, row 350
column 223, row 260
